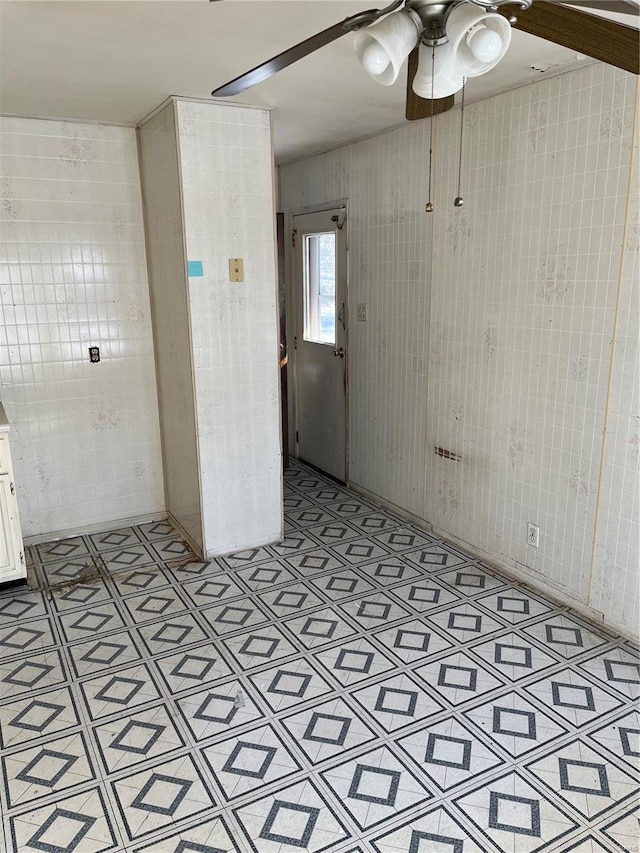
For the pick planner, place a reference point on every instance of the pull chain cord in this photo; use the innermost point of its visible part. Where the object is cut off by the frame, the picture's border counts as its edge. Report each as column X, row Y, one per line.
column 459, row 201
column 429, row 206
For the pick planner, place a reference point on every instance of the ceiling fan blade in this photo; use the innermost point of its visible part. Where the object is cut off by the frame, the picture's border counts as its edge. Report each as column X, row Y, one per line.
column 417, row 107
column 625, row 7
column 610, row 42
column 282, row 60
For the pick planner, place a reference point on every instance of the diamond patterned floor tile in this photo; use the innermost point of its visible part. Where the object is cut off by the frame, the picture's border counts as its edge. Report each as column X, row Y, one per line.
column 618, row 669
column 266, row 575
column 176, row 632
column 39, row 716
column 623, row 830
column 437, row 830
column 359, row 551
column 259, row 646
column 249, row 761
column 354, row 661
column 136, row 738
column 513, row 604
column 218, row 710
column 130, row 557
column 424, row 594
column 457, row 678
column 464, row 622
column 388, row 571
column 449, row 753
column 234, row 616
column 112, row 693
column 58, row 765
column 77, row 824
column 289, row 600
column 374, row 610
column 37, row 673
column 298, row 817
column 18, row 638
column 320, row 627
column 585, row 779
column 289, row 684
column 89, row 621
column 514, row 656
column 567, row 637
column 84, row 568
column 23, row 604
column 514, row 723
column 621, row 737
column 157, row 530
column 375, row 786
column 360, row 687
column 80, row 595
column 327, row 730
column 60, row 549
column 112, row 539
column 396, row 702
column 576, row 699
column 160, row 796
column 210, row 590
column 210, row 836
column 193, row 668
column 515, row 815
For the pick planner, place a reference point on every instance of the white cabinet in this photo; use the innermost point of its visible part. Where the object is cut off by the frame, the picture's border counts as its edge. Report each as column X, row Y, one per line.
column 12, row 562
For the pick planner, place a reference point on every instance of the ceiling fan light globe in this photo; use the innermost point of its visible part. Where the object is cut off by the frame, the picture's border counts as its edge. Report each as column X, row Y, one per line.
column 447, row 79
column 473, row 34
column 393, row 37
column 375, row 59
column 484, row 44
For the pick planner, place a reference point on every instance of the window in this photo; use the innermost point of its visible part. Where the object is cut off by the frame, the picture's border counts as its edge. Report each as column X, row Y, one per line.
column 320, row 288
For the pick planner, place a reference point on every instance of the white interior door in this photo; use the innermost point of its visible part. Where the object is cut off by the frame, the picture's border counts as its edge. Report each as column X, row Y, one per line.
column 320, row 282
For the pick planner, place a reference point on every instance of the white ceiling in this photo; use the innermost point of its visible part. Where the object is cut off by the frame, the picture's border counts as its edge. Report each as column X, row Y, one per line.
column 115, row 61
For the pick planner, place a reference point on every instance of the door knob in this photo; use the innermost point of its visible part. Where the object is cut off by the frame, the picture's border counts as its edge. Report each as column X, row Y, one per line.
column 339, row 352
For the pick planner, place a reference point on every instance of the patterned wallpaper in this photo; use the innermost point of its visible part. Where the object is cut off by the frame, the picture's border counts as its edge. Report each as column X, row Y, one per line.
column 85, row 439
column 160, row 175
column 227, row 181
column 500, row 352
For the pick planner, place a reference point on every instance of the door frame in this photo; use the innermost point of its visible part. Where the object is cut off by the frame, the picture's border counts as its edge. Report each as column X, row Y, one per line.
column 341, row 203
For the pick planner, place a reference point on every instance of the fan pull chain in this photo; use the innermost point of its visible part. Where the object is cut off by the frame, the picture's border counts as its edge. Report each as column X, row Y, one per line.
column 459, row 201
column 429, row 205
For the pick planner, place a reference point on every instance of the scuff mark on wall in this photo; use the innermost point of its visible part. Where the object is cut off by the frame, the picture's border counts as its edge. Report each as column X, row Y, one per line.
column 517, row 437
column 580, row 479
column 557, row 273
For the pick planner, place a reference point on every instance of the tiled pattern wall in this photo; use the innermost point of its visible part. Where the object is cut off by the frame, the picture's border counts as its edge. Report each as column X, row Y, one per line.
column 517, row 325
column 384, row 179
column 616, row 580
column 228, row 201
column 169, row 299
column 85, row 438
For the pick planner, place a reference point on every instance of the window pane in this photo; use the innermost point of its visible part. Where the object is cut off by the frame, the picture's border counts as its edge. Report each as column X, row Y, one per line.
column 320, row 288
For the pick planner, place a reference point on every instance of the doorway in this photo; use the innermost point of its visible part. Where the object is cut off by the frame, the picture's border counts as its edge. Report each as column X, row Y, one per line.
column 320, row 338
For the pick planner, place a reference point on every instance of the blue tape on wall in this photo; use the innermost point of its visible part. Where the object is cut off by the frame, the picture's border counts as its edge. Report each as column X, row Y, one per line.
column 194, row 269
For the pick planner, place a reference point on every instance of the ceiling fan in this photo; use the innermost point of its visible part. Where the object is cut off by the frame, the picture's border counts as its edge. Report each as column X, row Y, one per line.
column 447, row 41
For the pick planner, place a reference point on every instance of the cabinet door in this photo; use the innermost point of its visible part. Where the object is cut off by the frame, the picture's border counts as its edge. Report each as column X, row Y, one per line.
column 11, row 558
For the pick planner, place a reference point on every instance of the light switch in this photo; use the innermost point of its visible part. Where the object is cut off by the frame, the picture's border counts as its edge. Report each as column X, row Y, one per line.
column 236, row 269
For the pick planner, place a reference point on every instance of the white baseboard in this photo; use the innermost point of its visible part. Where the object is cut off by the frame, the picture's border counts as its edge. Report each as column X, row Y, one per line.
column 88, row 529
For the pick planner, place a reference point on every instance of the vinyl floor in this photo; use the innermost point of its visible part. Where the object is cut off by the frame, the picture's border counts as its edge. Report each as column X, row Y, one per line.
column 360, row 687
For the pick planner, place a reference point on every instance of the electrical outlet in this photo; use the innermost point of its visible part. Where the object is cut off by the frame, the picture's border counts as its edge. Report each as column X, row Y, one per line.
column 94, row 354
column 533, row 535
column 362, row 312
